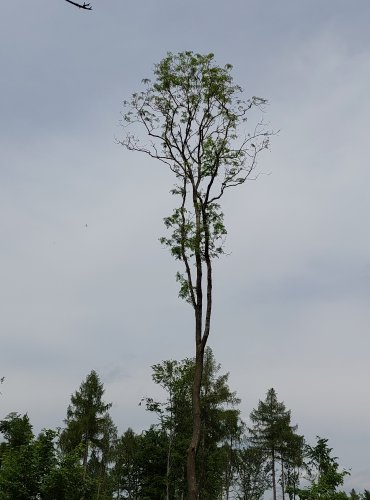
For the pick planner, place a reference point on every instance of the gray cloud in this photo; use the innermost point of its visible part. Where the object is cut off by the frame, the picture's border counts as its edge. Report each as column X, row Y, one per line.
column 292, row 296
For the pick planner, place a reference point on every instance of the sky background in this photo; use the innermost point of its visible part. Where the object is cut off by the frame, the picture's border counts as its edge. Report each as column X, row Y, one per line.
column 291, row 298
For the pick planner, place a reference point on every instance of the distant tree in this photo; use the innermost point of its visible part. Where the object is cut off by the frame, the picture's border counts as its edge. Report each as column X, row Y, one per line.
column 175, row 377
column 292, row 461
column 17, row 430
column 221, row 432
column 26, row 461
column 67, row 480
column 233, row 436
column 126, row 471
column 191, row 114
column 32, row 468
column 324, row 474
column 273, row 435
column 253, row 478
column 221, row 426
column 18, row 477
column 153, row 464
column 353, row 495
column 89, row 429
column 139, row 465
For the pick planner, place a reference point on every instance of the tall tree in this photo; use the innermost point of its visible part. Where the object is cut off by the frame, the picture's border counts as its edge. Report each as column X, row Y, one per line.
column 273, row 435
column 89, row 428
column 191, row 114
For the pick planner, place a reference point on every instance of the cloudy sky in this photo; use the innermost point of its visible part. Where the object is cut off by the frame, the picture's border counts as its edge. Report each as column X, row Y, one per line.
column 292, row 296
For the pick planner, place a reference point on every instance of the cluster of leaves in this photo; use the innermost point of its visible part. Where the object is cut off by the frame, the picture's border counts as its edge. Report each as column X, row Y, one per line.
column 191, row 116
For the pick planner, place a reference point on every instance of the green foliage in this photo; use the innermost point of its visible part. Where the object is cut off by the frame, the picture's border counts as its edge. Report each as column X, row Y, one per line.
column 274, row 436
column 87, row 418
column 126, row 472
column 153, row 464
column 16, row 430
column 67, row 480
column 139, row 469
column 90, row 431
column 353, row 495
column 191, row 115
column 150, row 465
column 253, row 478
column 25, row 461
column 221, row 425
column 32, row 468
column 324, row 474
column 19, row 478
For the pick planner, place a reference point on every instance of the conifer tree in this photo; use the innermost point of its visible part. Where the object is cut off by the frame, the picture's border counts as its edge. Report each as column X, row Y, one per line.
column 273, row 435
column 89, row 428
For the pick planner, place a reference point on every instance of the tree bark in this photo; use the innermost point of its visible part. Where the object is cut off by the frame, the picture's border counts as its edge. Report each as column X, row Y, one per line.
column 194, row 443
column 282, row 480
column 273, row 475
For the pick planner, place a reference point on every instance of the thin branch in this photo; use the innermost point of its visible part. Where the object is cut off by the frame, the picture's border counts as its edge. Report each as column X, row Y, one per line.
column 85, row 6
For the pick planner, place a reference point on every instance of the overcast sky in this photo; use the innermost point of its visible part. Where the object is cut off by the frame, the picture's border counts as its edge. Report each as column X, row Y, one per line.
column 291, row 298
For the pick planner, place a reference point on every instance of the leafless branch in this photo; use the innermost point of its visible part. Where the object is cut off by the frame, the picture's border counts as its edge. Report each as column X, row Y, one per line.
column 85, row 6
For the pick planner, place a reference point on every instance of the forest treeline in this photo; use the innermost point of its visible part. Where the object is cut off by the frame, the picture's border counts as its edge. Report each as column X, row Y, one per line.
column 87, row 459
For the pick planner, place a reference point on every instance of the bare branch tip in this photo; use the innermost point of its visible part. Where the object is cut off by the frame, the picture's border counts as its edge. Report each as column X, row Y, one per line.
column 84, row 6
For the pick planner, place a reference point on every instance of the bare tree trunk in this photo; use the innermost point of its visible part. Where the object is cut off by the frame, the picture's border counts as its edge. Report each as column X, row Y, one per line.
column 168, row 467
column 273, row 475
column 201, row 338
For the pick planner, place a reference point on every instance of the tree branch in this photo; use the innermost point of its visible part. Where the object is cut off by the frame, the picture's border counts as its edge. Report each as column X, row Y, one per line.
column 85, row 6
